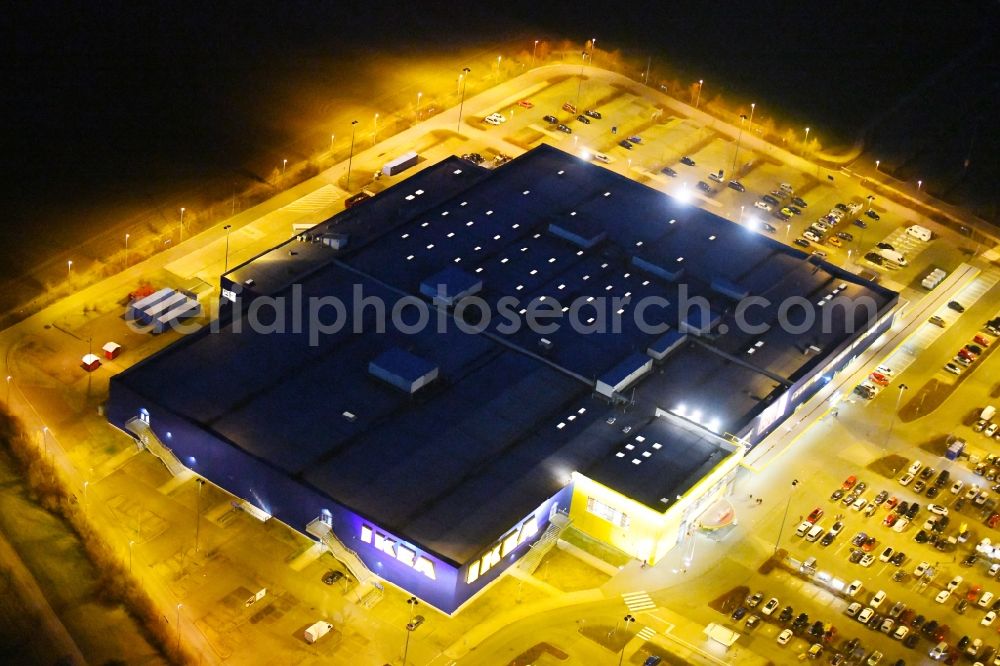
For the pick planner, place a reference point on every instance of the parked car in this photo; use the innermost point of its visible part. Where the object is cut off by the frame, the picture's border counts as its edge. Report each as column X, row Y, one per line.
column 687, row 161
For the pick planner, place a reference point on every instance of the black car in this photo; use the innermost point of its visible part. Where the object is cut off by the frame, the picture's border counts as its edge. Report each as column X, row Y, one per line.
column 798, row 201
column 841, row 207
column 885, row 246
column 872, row 214
column 635, row 139
column 860, row 223
column 795, row 210
column 956, row 306
column 881, row 497
column 902, row 508
column 583, row 119
column 769, row 228
column 926, row 473
column 874, row 258
column 827, row 539
column 550, row 119
column 899, row 576
column 687, row 160
column 705, row 187
column 911, row 513
column 475, row 158
column 666, row 171
column 962, row 642
column 596, row 115
column 920, row 537
column 837, row 494
column 971, row 559
column 737, row 185
column 932, row 492
column 769, row 199
column 564, row 128
column 739, row 613
column 856, row 556
column 845, row 235
column 625, row 144
column 942, row 479
column 898, row 558
column 975, row 349
column 801, row 242
column 786, row 614
column 332, row 576
column 911, row 640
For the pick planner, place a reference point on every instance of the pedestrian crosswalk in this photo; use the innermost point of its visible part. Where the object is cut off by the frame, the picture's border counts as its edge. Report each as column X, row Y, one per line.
column 638, row 601
column 646, row 633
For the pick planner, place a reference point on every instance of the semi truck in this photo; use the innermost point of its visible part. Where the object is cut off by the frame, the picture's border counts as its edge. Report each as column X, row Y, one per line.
column 401, row 163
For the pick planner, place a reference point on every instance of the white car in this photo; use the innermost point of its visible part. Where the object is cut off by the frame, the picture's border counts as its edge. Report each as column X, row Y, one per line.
column 991, row 429
column 877, row 599
column 994, row 570
column 886, row 554
column 810, row 235
column 853, row 588
column 956, row 487
column 865, row 615
column 938, row 509
column 900, row 525
column 887, row 371
column 770, row 606
column 942, row 596
column 763, row 205
column 859, row 504
column 917, row 465
column 954, row 582
column 784, row 637
column 906, row 479
column 901, row 632
column 853, row 609
column 495, row 119
column 920, row 570
column 984, row 601
column 601, row 157
column 988, row 618
column 867, row 560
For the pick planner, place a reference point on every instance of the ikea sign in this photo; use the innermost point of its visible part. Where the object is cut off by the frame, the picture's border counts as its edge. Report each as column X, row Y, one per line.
column 397, row 550
column 503, row 547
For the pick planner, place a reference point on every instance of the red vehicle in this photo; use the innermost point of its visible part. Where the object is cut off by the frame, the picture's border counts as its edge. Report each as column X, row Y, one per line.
column 891, row 519
column 849, row 482
column 815, row 515
column 993, row 520
column 942, row 632
column 966, row 354
column 526, row 104
column 879, row 378
column 869, row 544
column 974, row 592
column 569, row 107
column 891, row 504
column 981, row 340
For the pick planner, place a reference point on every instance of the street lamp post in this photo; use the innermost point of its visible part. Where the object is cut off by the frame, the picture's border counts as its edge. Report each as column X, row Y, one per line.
column 284, row 163
column 126, row 250
column 7, row 403
column 182, row 224
column 375, row 130
column 227, row 229
column 45, row 440
column 739, row 137
column 892, row 420
column 130, row 544
column 533, row 49
column 179, row 626
column 419, row 95
column 920, row 184
column 69, row 270
column 350, row 158
column 579, row 83
column 741, row 214
column 806, row 141
column 465, row 79
column 629, row 619
column 781, row 528
column 593, row 47
column 197, row 515
column 412, row 602
column 85, row 503
column 697, row 100
column 333, row 137
column 870, row 200
column 877, row 162
column 753, row 105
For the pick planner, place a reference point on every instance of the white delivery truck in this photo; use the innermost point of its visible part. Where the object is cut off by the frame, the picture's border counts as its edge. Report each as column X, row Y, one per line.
column 988, row 412
column 317, row 631
column 893, row 256
column 919, row 232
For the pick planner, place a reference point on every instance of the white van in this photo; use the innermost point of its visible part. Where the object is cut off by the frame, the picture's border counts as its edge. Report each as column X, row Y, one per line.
column 601, row 157
column 804, row 527
column 316, row 631
column 893, row 256
column 815, row 533
column 919, row 232
column 988, row 412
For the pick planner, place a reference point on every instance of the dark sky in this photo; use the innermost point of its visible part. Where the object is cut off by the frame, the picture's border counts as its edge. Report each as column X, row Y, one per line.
column 101, row 90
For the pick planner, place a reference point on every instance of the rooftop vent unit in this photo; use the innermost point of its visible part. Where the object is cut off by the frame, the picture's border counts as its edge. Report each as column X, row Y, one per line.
column 403, row 370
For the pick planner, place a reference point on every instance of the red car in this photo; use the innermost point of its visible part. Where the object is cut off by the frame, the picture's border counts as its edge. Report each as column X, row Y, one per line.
column 966, row 354
column 569, row 107
column 869, row 544
column 891, row 504
column 981, row 340
column 849, row 482
column 879, row 378
column 974, row 592
column 524, row 103
column 891, row 519
column 942, row 632
column 993, row 520
column 816, row 514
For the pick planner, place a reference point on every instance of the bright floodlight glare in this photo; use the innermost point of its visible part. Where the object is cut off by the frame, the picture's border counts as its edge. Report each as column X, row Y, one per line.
column 680, row 409
column 682, row 195
column 714, row 425
column 585, row 154
column 696, row 416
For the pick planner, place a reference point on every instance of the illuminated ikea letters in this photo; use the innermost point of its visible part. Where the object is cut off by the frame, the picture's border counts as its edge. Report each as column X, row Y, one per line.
column 397, row 550
column 502, row 548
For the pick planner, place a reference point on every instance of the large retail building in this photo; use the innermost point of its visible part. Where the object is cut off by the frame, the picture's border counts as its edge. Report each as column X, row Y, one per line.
column 434, row 454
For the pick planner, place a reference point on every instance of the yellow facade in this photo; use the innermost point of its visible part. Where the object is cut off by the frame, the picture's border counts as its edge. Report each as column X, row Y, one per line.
column 638, row 530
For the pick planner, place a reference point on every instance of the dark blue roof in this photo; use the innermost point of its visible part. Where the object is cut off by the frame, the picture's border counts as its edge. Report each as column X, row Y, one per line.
column 508, row 418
